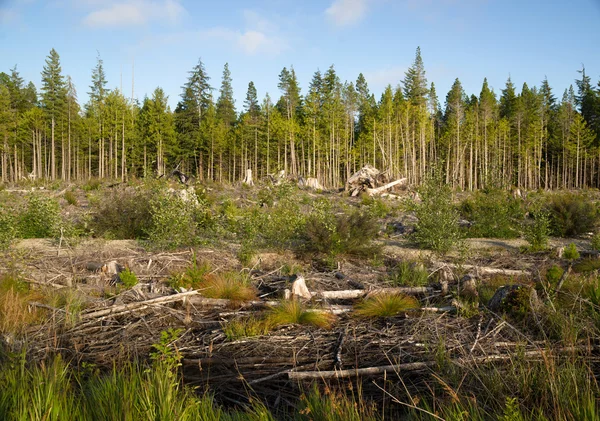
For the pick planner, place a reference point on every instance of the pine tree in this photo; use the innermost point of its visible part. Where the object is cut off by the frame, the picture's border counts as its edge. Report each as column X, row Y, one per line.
column 226, row 103
column 415, row 82
column 53, row 99
column 588, row 101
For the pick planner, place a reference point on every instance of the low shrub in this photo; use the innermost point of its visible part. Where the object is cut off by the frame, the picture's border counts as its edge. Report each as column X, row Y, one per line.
column 570, row 252
column 350, row 234
column 40, row 219
column 128, row 278
column 494, row 213
column 8, row 228
column 408, row 273
column 571, row 214
column 536, row 230
column 437, row 228
column 70, row 198
column 386, row 305
column 123, row 213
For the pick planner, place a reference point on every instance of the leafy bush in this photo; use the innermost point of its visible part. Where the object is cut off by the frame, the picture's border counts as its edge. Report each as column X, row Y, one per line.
column 340, row 234
column 123, row 213
column 437, row 228
column 536, row 230
column 71, row 198
column 553, row 275
column 386, row 305
column 41, row 218
column 128, row 278
column 595, row 242
column 8, row 229
column 494, row 213
column 570, row 252
column 174, row 222
column 571, row 214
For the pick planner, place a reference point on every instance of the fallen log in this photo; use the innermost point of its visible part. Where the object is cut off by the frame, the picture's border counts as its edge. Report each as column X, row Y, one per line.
column 484, row 270
column 379, row 190
column 357, row 293
column 126, row 308
column 417, row 366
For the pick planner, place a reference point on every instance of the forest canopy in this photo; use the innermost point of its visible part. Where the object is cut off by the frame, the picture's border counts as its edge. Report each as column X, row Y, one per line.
column 529, row 137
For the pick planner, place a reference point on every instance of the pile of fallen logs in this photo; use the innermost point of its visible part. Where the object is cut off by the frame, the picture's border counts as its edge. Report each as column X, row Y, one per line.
column 372, row 182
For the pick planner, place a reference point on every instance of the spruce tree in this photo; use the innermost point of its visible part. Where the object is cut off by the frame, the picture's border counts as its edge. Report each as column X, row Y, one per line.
column 53, row 99
column 415, row 82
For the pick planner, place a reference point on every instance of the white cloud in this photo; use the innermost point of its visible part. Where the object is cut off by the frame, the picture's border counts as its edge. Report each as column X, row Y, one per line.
column 346, row 12
column 134, row 12
column 379, row 79
column 250, row 42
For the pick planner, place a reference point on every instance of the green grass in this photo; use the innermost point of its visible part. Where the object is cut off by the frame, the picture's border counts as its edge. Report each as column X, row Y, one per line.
column 386, row 305
column 408, row 273
column 293, row 312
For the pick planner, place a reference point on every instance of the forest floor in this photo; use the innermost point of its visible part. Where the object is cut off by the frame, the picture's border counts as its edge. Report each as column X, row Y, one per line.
column 401, row 353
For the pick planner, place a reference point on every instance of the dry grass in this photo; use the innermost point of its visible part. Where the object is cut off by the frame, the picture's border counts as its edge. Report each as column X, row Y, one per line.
column 227, row 285
column 15, row 311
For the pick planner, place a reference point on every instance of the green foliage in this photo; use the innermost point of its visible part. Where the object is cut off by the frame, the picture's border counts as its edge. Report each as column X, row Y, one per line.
column 193, row 277
column 92, row 184
column 41, row 218
column 8, row 229
column 128, row 278
column 408, row 273
column 386, row 305
column 553, row 275
column 164, row 350
column 376, row 206
column 437, row 227
column 245, row 328
column 595, row 242
column 331, row 234
column 537, row 230
column 174, row 222
column 586, row 265
column 331, row 406
column 571, row 214
column 71, row 198
column 123, row 213
column 293, row 312
column 570, row 252
column 494, row 213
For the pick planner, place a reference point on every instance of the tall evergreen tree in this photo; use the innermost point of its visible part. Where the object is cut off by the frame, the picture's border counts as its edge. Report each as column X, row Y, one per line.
column 53, row 99
column 415, row 82
column 226, row 103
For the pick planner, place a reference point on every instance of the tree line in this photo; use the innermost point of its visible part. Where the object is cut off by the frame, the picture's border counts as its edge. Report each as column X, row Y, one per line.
column 528, row 139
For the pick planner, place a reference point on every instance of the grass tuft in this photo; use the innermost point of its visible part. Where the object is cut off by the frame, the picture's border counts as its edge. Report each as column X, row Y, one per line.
column 386, row 305
column 293, row 312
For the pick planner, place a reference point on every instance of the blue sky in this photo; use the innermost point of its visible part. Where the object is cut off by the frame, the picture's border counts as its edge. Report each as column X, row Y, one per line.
column 468, row 39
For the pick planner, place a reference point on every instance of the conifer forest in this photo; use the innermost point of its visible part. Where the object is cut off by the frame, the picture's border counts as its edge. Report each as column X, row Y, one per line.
column 528, row 137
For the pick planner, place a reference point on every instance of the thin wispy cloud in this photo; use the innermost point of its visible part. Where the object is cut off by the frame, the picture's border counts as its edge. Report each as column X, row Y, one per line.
column 7, row 16
column 346, row 12
column 380, row 78
column 134, row 12
column 250, row 42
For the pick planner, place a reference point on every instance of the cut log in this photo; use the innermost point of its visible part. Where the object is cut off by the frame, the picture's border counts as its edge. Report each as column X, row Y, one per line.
column 480, row 271
column 126, row 308
column 357, row 293
column 379, row 190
